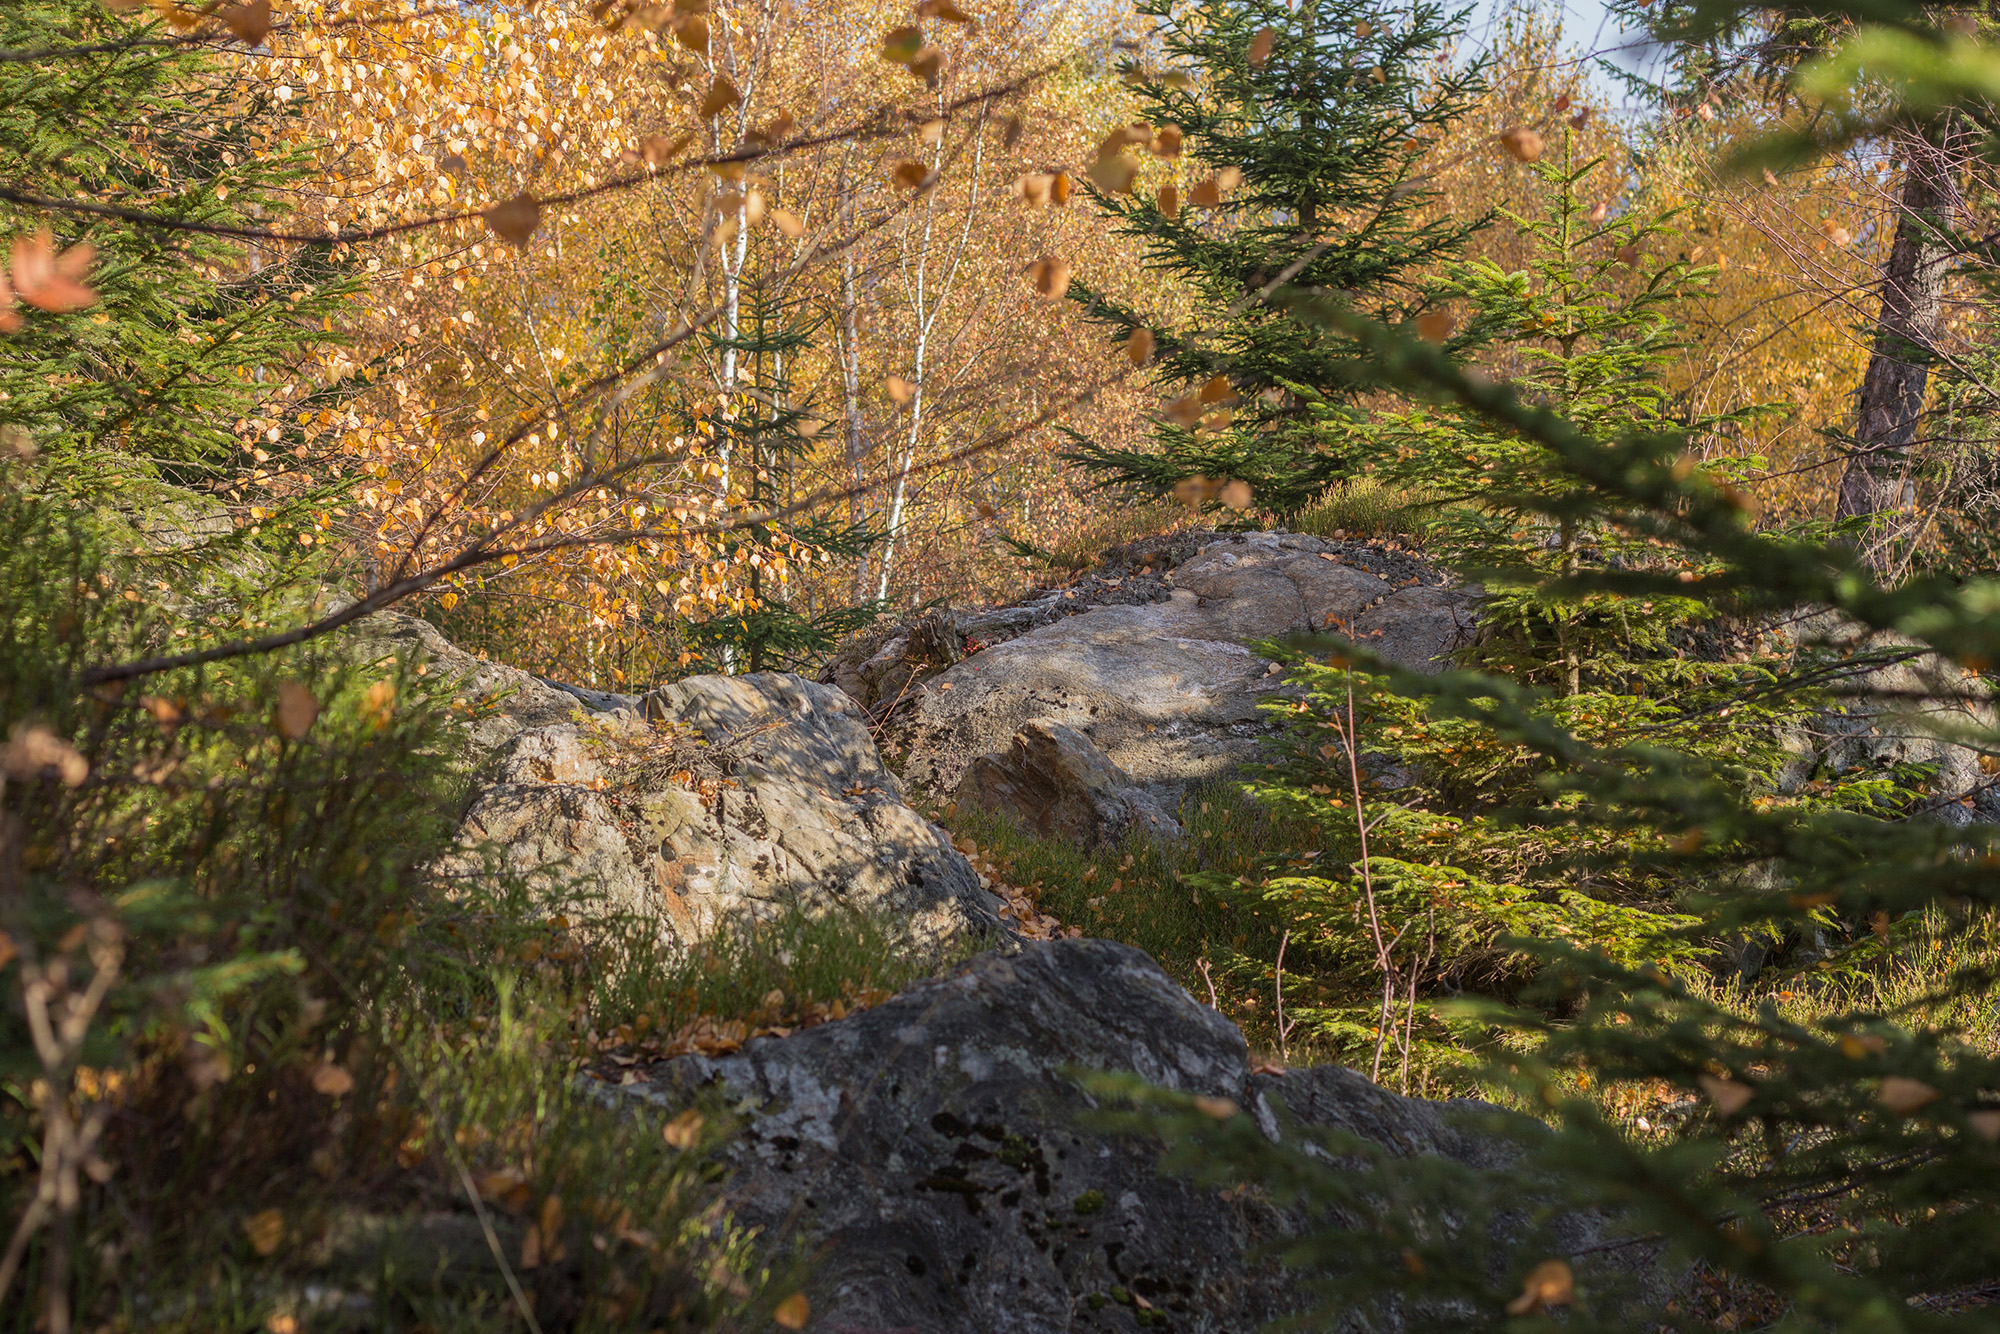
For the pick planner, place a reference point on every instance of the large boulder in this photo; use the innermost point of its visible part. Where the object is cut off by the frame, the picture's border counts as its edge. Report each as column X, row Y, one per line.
column 708, row 799
column 1058, row 784
column 938, row 1155
column 1897, row 703
column 1160, row 676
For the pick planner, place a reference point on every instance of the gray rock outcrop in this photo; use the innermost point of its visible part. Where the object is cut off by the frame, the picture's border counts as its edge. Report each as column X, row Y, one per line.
column 1897, row 703
column 710, row 798
column 1058, row 784
column 1161, row 678
column 937, row 1152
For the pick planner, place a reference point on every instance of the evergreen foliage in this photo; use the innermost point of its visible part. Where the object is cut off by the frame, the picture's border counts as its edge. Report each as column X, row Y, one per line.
column 191, row 334
column 1833, row 1134
column 1323, row 112
column 777, row 435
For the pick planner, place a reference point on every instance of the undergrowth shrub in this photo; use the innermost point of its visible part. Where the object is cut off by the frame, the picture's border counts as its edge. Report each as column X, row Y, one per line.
column 246, row 1029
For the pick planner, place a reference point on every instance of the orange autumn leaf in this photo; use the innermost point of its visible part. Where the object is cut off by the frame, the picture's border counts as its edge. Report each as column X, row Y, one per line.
column 1904, row 1096
column 265, row 1230
column 1049, row 276
column 297, row 710
column 1435, row 325
column 684, row 1131
column 1139, row 347
column 48, row 281
column 1549, row 1283
column 332, row 1081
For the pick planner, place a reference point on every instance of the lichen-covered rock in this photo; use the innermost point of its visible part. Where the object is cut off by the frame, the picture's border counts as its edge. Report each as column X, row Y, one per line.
column 726, row 796
column 938, row 1156
column 1162, row 680
column 707, row 799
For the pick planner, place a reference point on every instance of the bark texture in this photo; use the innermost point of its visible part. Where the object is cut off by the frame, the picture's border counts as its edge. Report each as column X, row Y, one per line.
column 1877, row 482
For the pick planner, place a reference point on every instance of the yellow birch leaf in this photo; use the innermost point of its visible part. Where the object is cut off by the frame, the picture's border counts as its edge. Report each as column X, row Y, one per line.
column 900, row 45
column 1729, row 1096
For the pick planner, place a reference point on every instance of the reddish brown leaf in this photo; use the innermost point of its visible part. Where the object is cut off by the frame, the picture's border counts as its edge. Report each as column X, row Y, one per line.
column 248, row 23
column 516, row 219
column 943, row 9
column 1522, row 144
column 721, row 96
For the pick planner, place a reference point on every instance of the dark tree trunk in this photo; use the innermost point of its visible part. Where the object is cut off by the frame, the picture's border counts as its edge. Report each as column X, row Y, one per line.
column 1877, row 483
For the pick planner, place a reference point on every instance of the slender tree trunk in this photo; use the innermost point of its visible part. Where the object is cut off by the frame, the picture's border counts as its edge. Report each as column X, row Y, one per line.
column 850, row 377
column 1877, row 484
column 925, row 317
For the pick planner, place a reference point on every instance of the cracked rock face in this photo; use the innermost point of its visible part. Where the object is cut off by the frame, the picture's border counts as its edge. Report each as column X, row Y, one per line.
column 1168, row 689
column 938, row 1157
column 712, row 797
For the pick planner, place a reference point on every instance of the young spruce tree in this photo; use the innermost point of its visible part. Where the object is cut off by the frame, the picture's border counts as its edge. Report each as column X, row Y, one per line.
column 1301, row 131
column 192, row 334
column 1821, row 1139
column 775, row 436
